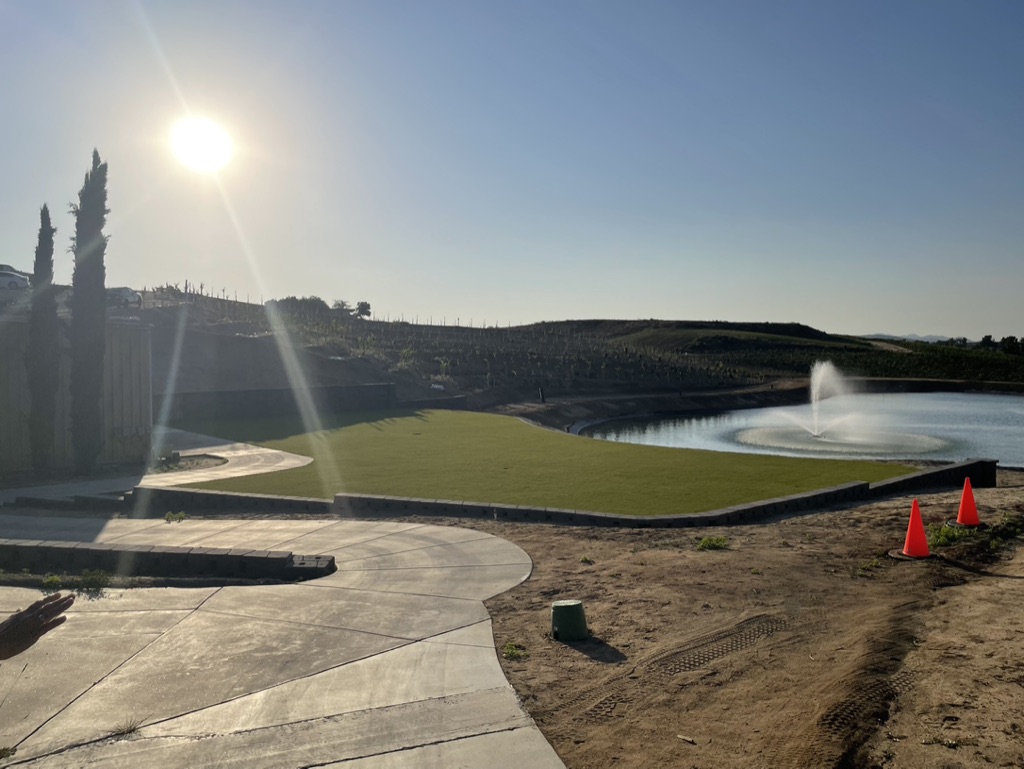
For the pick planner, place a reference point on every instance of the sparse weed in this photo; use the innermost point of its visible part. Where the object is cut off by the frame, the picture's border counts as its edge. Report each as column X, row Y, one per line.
column 126, row 728
column 677, row 543
column 865, row 569
column 94, row 579
column 514, row 652
column 713, row 543
column 944, row 535
column 7, row 753
column 175, row 517
column 586, row 559
column 51, row 583
column 1011, row 525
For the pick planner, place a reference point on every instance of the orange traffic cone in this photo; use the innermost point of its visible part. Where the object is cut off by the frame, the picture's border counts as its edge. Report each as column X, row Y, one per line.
column 916, row 544
column 968, row 515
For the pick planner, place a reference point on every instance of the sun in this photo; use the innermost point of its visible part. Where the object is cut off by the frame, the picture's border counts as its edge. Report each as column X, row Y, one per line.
column 201, row 144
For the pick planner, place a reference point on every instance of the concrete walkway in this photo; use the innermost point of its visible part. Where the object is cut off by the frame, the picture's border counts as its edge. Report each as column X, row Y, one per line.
column 242, row 459
column 386, row 664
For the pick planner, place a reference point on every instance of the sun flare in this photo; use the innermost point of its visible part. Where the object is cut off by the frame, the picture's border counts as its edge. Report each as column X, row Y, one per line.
column 201, row 144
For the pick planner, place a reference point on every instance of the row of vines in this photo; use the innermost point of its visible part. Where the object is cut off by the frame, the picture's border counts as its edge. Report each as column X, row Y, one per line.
column 562, row 357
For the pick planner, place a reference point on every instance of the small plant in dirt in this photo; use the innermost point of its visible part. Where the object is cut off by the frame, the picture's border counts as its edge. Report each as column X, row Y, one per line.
column 1011, row 523
column 7, row 753
column 51, row 583
column 987, row 541
column 713, row 543
column 126, row 728
column 586, row 559
column 175, row 517
column 944, row 535
column 865, row 569
column 93, row 581
column 514, row 652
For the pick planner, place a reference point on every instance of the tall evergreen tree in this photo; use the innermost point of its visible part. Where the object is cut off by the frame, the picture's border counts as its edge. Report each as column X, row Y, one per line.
column 42, row 359
column 88, row 316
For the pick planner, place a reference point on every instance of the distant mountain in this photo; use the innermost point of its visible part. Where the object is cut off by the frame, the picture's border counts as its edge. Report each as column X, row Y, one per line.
column 907, row 337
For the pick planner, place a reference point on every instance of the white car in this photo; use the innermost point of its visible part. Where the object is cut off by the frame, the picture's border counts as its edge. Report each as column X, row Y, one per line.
column 123, row 297
column 13, row 280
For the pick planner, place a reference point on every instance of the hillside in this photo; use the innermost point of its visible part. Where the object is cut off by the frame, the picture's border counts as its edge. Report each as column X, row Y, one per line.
column 228, row 345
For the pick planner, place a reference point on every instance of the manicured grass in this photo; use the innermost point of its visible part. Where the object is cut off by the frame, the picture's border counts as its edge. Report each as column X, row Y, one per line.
column 487, row 458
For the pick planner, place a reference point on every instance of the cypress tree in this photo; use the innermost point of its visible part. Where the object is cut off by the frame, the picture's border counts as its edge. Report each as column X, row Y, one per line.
column 43, row 355
column 88, row 317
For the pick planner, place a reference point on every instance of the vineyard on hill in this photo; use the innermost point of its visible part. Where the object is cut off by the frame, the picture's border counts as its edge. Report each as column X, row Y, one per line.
column 576, row 357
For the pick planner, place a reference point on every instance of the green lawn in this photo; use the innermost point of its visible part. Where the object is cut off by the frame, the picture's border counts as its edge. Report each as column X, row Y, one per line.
column 468, row 456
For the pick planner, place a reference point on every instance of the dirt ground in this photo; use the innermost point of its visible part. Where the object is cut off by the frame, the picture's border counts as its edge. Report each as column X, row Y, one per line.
column 800, row 645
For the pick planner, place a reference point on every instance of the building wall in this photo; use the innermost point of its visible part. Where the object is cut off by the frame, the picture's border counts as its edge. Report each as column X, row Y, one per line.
column 277, row 402
column 126, row 402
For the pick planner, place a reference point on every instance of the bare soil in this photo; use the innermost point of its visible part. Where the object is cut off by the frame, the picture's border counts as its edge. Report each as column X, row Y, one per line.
column 800, row 645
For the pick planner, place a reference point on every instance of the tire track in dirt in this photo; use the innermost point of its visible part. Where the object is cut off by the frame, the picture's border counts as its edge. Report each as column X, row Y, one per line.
column 857, row 702
column 600, row 702
column 706, row 649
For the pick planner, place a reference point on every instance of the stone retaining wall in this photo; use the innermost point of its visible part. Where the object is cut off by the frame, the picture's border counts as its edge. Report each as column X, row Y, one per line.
column 156, row 502
column 227, row 404
column 159, row 561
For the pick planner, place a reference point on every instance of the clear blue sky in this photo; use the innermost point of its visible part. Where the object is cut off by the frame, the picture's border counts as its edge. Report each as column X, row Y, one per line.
column 855, row 166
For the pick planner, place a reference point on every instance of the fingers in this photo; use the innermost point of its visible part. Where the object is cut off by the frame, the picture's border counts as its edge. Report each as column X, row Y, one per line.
column 23, row 628
column 51, row 603
column 47, row 609
column 45, row 626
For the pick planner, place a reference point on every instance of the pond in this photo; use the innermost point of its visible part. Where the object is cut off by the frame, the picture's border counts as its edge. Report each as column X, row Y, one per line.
column 934, row 426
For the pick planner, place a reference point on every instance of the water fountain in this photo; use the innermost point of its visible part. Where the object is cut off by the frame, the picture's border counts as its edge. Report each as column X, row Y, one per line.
column 826, row 382
column 836, row 420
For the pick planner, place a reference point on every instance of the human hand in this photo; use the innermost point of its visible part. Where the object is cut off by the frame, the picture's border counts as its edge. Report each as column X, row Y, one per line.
column 26, row 626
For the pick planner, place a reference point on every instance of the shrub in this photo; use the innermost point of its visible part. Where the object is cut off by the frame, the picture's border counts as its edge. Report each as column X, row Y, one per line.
column 713, row 543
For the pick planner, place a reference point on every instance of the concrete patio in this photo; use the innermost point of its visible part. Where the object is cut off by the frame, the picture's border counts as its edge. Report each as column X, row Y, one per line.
column 388, row 662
